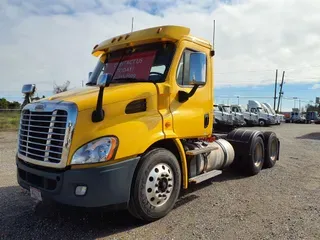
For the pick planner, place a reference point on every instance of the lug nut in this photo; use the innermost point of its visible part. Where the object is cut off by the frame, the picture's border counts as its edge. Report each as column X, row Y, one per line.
column 167, row 191
column 157, row 191
column 170, row 185
column 156, row 185
column 169, row 179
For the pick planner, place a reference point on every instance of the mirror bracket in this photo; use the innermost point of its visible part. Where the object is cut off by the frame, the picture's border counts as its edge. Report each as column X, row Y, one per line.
column 98, row 114
column 184, row 96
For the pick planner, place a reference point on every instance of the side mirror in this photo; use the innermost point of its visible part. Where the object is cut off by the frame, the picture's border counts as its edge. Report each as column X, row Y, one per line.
column 197, row 75
column 198, row 68
column 28, row 88
column 104, row 80
column 90, row 73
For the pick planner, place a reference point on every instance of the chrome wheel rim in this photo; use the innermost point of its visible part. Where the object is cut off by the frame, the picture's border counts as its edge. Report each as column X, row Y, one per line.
column 258, row 155
column 159, row 185
column 273, row 150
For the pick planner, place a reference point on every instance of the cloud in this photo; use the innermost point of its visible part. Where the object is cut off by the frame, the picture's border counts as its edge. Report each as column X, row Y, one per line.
column 316, row 86
column 51, row 42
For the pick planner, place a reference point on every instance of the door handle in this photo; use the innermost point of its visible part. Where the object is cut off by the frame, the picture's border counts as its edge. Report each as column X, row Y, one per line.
column 206, row 120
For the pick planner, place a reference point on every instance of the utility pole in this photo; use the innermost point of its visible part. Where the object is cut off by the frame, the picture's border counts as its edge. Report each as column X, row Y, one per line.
column 299, row 104
column 280, row 93
column 275, row 90
column 132, row 24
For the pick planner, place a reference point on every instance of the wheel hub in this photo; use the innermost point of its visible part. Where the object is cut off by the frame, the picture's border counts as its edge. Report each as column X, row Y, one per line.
column 258, row 155
column 273, row 150
column 159, row 184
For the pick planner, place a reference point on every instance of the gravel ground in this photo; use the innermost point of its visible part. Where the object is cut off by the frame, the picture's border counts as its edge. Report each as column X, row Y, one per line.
column 279, row 203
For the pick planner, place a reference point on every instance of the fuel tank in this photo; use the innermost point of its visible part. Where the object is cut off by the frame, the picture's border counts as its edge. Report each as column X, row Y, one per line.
column 217, row 159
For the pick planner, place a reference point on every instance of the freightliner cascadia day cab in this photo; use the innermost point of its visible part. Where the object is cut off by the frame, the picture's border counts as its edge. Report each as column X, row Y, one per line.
column 265, row 119
column 222, row 117
column 139, row 132
column 250, row 118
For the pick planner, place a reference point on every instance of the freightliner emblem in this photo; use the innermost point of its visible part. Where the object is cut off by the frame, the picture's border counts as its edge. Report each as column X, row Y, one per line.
column 39, row 107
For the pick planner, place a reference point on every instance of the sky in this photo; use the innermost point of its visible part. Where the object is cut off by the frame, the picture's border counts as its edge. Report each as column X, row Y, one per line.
column 47, row 42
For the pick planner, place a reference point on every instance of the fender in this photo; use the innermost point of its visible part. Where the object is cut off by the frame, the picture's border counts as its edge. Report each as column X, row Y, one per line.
column 183, row 160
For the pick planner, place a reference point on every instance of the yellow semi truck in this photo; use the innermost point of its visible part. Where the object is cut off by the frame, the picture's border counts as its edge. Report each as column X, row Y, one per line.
column 138, row 132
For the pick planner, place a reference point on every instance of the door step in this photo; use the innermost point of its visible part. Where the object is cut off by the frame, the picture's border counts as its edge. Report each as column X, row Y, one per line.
column 202, row 177
column 200, row 150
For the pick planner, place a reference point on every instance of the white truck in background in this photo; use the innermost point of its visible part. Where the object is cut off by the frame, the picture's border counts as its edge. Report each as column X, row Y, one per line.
column 237, row 117
column 265, row 119
column 278, row 117
column 250, row 118
column 221, row 117
column 296, row 116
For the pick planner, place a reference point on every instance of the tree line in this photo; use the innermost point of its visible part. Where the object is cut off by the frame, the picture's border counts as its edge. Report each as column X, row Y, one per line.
column 313, row 107
column 5, row 104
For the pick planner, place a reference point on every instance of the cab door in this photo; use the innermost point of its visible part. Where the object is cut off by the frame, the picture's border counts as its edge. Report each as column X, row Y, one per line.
column 194, row 116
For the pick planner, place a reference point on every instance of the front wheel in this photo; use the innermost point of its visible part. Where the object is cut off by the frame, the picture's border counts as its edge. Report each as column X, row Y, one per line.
column 156, row 185
column 262, row 123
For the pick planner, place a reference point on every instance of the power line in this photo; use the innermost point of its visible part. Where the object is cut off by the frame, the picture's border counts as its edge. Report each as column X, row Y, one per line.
column 267, row 70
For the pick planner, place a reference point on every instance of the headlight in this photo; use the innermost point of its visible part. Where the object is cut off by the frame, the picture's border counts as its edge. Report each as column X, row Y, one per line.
column 99, row 150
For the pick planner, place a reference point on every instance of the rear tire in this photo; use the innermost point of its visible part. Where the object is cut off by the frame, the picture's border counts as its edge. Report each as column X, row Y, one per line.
column 271, row 149
column 255, row 160
column 156, row 185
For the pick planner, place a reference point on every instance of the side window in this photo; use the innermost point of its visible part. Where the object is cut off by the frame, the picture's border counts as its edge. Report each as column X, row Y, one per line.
column 183, row 68
column 253, row 110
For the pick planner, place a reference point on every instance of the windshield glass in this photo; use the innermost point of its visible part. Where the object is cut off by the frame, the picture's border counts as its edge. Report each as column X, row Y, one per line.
column 226, row 109
column 144, row 63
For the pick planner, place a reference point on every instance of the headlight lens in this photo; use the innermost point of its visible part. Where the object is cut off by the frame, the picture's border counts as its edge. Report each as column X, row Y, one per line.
column 99, row 150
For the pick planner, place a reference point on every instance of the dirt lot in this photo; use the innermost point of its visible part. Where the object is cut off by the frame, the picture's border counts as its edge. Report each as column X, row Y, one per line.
column 279, row 203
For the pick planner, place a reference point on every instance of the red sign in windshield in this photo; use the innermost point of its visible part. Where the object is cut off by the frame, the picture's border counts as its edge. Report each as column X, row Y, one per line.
column 136, row 65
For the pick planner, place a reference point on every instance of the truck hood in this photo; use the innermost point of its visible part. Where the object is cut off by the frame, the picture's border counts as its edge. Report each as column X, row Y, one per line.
column 86, row 97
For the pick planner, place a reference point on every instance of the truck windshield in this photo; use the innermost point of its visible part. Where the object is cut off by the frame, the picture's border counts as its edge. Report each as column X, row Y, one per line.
column 226, row 109
column 242, row 109
column 259, row 109
column 145, row 63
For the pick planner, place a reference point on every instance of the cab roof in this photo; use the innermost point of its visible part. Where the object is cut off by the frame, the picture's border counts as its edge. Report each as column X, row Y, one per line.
column 161, row 33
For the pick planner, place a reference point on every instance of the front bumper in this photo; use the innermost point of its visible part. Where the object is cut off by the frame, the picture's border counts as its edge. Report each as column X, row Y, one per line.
column 106, row 185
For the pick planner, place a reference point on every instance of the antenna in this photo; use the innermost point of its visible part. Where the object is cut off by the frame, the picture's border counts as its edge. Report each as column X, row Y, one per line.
column 212, row 52
column 214, row 32
column 132, row 24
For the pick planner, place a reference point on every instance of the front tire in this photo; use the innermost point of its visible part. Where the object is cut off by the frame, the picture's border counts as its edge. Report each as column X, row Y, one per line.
column 156, row 185
column 262, row 123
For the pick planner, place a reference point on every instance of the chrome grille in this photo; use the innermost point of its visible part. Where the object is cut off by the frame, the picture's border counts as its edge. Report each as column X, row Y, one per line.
column 42, row 134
